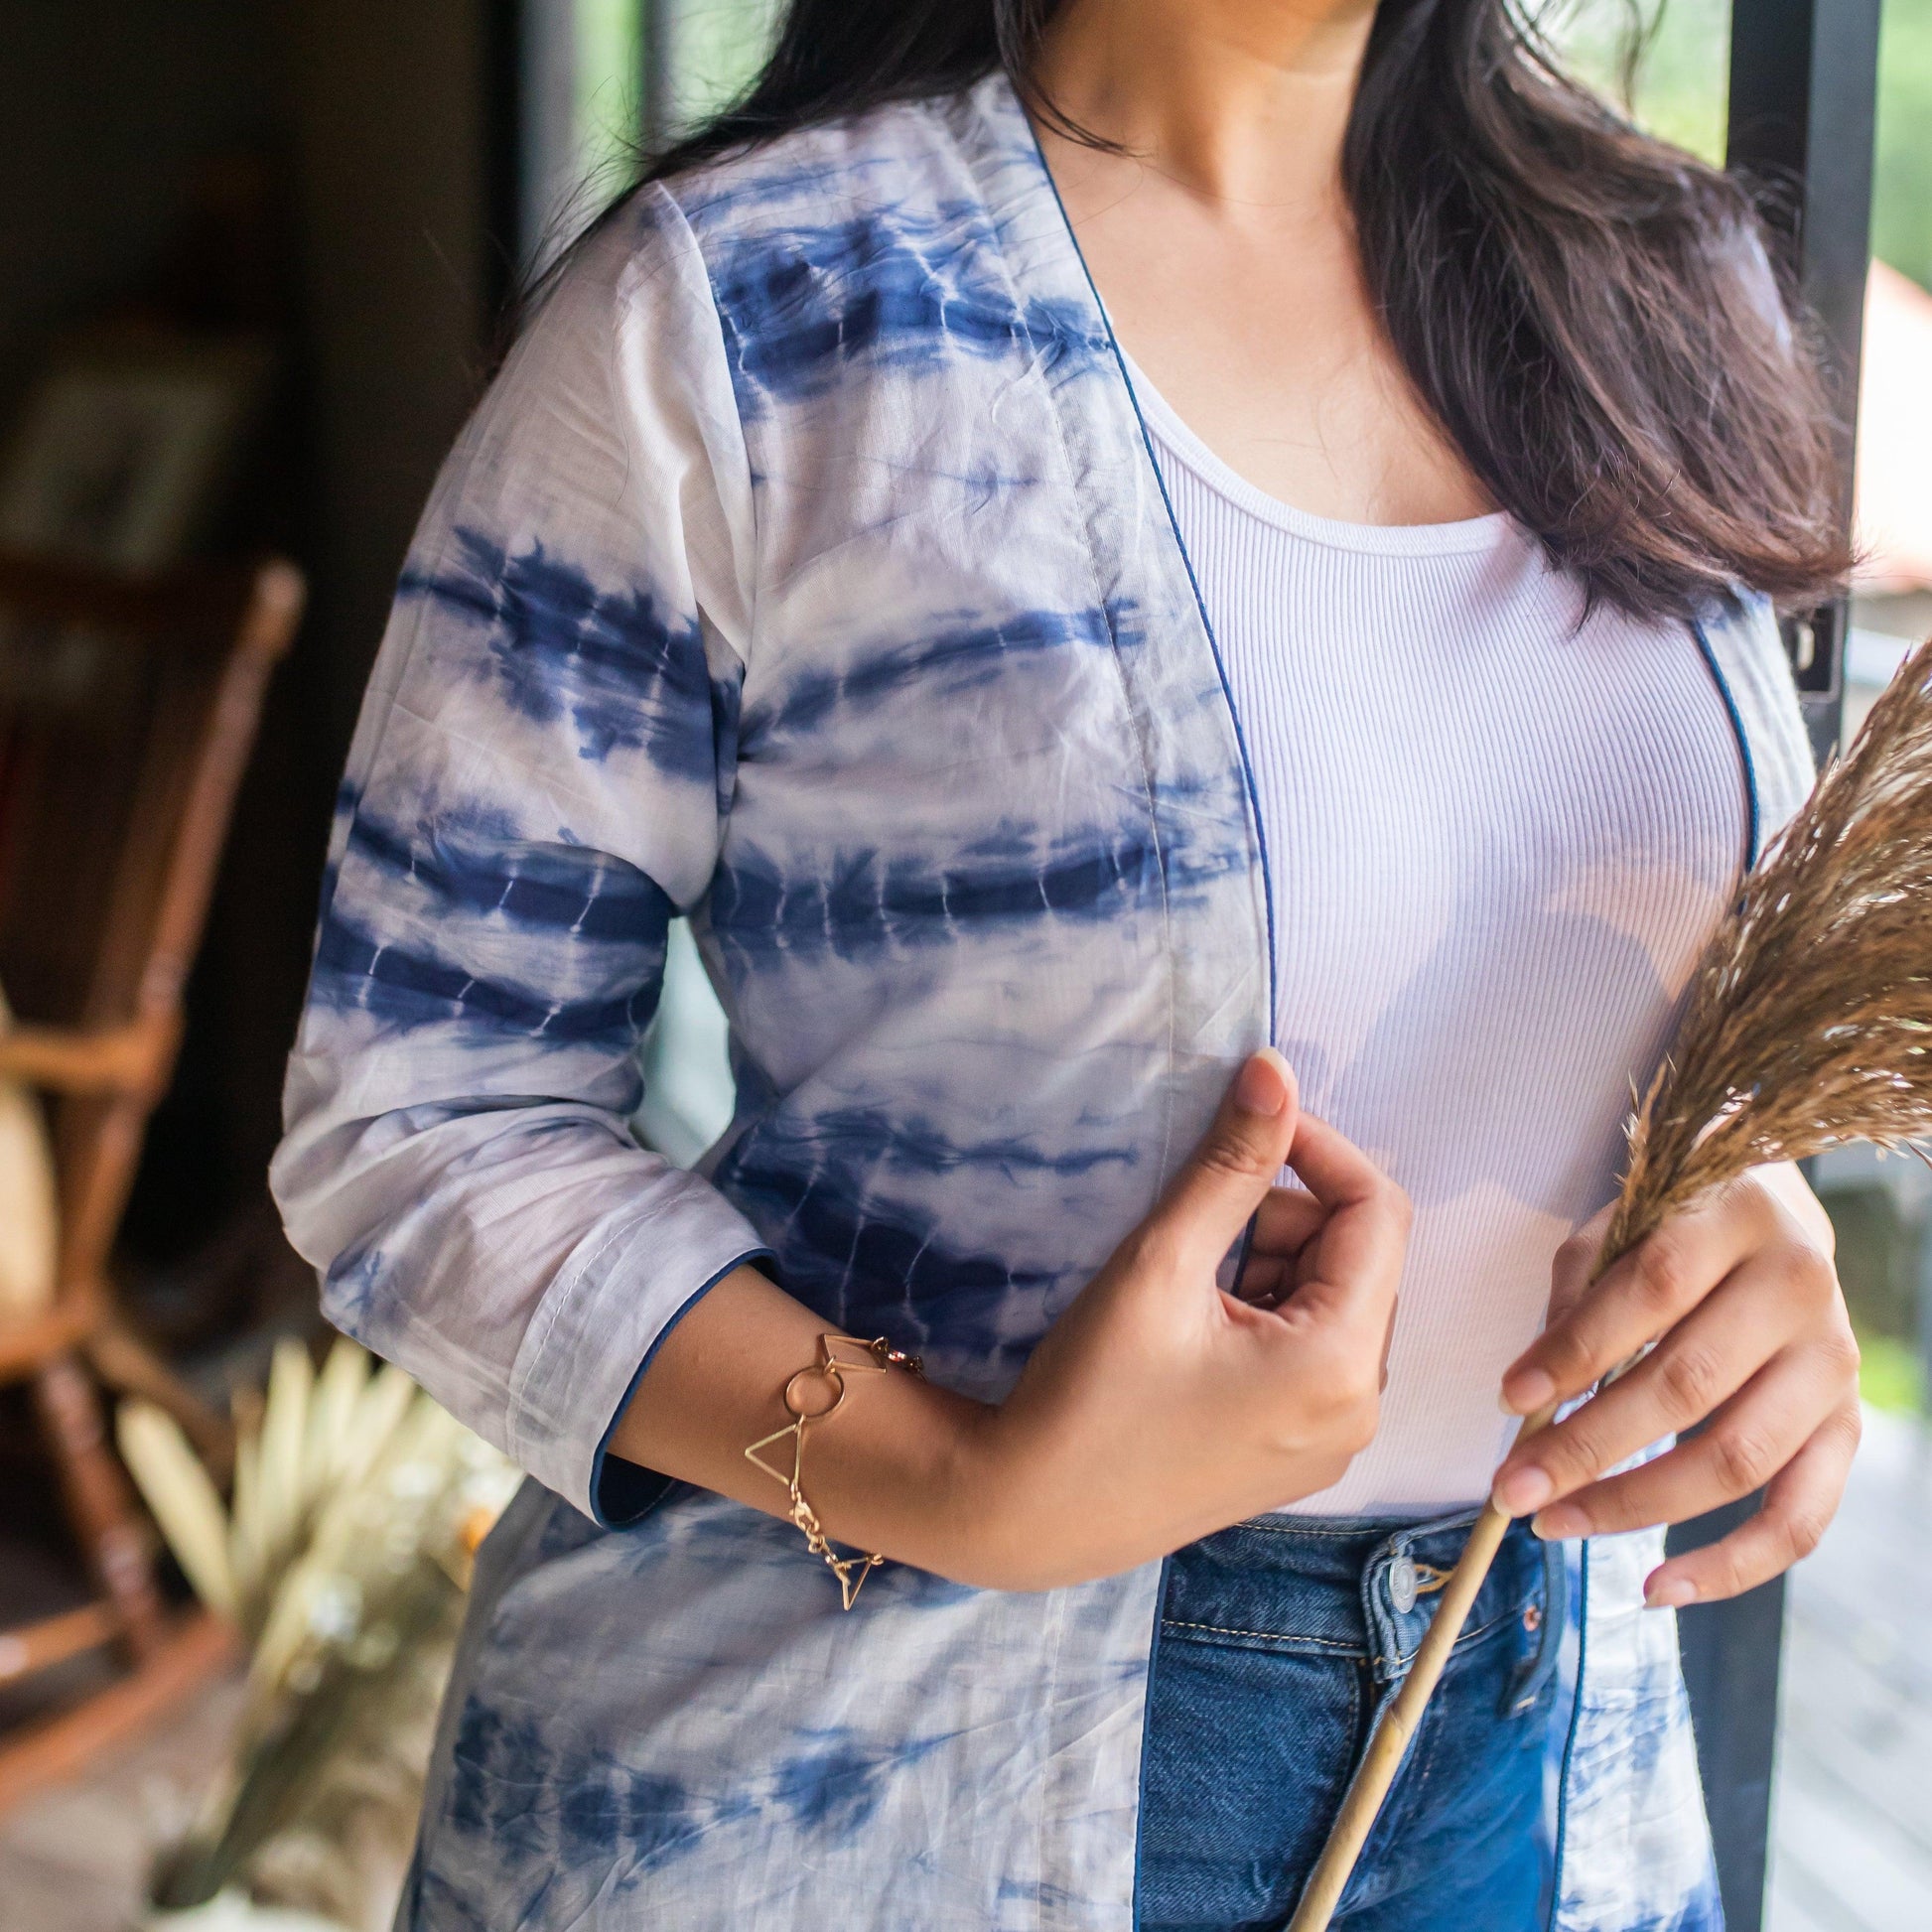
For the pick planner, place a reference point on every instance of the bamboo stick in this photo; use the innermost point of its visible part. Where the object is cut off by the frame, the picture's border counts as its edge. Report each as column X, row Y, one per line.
column 1383, row 1760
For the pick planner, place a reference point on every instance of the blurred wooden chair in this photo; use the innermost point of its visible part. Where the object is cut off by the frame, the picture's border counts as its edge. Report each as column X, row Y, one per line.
column 128, row 708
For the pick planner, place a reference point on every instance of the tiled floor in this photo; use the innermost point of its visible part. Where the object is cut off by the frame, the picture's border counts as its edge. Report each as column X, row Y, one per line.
column 1854, row 1823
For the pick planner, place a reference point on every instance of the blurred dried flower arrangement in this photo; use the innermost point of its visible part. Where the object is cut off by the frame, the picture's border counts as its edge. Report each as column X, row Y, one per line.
column 342, row 1559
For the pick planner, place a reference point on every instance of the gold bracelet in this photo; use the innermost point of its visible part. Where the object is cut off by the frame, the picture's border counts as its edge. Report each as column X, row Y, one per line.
column 874, row 1357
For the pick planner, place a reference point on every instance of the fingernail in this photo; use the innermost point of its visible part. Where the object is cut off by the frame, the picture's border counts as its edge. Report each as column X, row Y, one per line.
column 1561, row 1522
column 1258, row 1089
column 1525, row 1392
column 1670, row 1593
column 1523, row 1491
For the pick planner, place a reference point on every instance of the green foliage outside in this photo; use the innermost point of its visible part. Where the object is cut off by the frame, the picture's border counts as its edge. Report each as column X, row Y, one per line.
column 1901, row 230
column 1879, row 1263
column 1682, row 69
column 717, row 47
column 1889, row 1375
column 1681, row 86
column 609, row 72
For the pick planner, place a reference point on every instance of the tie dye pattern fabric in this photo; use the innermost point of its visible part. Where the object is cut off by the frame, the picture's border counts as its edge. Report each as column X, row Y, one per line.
column 805, row 571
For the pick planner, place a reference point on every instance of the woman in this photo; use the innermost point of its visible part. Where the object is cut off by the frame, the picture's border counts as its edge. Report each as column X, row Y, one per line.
column 1103, row 553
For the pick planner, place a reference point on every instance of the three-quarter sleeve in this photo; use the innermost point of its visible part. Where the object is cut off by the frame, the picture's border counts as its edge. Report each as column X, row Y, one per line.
column 537, row 784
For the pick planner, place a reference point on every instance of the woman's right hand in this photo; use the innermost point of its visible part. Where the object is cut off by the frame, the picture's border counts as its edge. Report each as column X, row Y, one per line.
column 1159, row 1408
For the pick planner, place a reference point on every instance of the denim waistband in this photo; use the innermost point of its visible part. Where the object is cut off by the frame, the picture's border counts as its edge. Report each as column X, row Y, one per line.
column 1363, row 1587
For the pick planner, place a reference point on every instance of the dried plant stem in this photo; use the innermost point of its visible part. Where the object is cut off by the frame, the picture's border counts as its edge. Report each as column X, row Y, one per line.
column 1386, row 1750
column 1367, row 1790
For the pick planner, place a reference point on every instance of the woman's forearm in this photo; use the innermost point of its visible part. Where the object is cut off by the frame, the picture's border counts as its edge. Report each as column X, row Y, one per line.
column 901, row 1468
column 1156, row 1410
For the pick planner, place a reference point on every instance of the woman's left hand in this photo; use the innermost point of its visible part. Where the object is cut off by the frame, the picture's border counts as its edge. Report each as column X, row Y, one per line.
column 1741, row 1298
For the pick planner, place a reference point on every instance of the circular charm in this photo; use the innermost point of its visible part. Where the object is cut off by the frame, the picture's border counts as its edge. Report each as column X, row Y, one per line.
column 823, row 1372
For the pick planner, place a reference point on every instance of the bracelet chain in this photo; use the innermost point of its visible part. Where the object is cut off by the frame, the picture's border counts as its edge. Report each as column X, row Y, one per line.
column 873, row 1358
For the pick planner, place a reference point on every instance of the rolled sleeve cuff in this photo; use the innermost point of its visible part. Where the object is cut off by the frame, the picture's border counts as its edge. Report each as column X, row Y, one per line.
column 602, row 1328
column 621, row 1491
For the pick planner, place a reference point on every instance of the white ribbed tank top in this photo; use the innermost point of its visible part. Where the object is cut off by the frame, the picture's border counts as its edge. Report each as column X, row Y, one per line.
column 1497, row 841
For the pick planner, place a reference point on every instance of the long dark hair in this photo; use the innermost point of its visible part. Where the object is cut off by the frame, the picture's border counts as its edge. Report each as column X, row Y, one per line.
column 1590, row 314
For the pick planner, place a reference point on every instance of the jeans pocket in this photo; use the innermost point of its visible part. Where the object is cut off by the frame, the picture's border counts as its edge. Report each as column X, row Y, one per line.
column 1250, row 1746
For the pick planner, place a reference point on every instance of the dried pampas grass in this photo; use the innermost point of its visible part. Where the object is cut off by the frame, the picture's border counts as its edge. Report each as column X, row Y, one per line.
column 1809, row 1021
column 1808, row 1024
column 342, row 1558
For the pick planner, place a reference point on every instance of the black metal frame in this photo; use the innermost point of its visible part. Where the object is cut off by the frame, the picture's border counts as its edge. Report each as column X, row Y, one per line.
column 1803, row 107
column 502, row 160
column 1804, row 85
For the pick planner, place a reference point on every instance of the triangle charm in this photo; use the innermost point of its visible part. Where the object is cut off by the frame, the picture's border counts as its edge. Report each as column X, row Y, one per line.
column 790, row 1478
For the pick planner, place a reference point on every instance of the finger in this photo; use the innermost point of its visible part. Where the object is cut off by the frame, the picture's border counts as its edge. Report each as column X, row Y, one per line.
column 1266, row 1280
column 1284, row 1220
column 1575, row 1263
column 1283, row 1227
column 1706, row 1359
column 1354, row 1261
column 1798, row 1508
column 1331, row 1166
column 1749, row 1441
column 1228, row 1175
column 1646, row 1291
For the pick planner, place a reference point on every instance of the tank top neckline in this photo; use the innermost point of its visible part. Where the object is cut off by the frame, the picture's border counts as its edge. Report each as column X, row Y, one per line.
column 1466, row 535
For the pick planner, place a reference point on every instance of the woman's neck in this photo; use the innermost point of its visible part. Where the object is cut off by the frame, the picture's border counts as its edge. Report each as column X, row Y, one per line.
column 1221, row 240
column 1240, row 103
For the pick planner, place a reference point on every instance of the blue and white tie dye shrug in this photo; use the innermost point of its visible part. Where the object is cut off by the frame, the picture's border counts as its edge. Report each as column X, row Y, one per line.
column 806, row 572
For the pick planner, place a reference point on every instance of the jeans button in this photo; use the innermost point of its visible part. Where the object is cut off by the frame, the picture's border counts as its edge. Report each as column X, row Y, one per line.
column 1402, row 1585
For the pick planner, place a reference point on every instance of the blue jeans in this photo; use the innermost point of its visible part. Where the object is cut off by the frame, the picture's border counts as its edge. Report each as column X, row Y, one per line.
column 1281, row 1641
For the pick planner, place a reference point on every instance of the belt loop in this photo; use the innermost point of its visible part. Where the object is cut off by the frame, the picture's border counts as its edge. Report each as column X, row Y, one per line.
column 1378, row 1614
